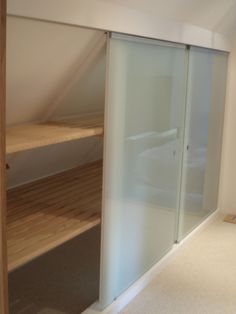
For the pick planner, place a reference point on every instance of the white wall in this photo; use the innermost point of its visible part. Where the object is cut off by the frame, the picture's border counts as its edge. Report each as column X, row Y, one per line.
column 228, row 177
column 36, row 163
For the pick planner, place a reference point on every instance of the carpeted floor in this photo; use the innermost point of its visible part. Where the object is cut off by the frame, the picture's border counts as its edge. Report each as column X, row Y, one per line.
column 201, row 278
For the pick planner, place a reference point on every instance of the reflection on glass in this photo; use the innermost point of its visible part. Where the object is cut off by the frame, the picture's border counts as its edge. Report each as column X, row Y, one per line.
column 144, row 131
column 203, row 136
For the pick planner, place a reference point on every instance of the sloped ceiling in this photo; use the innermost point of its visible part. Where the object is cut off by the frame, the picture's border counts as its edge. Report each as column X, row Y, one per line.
column 217, row 15
column 44, row 61
column 227, row 25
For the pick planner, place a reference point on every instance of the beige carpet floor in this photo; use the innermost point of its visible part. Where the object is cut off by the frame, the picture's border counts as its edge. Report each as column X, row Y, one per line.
column 201, row 278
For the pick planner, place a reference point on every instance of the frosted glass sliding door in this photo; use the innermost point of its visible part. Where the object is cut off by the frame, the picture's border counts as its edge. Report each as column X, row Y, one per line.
column 203, row 136
column 144, row 119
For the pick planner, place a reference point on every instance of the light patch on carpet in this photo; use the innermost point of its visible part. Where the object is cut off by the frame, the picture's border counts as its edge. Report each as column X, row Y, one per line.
column 201, row 278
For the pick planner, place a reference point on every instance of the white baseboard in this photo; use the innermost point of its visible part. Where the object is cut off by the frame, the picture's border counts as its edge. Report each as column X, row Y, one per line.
column 142, row 282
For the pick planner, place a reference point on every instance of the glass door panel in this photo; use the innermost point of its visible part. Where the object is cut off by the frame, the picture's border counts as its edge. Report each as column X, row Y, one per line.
column 203, row 136
column 144, row 119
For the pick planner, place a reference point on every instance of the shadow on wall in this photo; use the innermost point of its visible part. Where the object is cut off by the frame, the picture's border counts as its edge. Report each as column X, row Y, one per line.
column 63, row 281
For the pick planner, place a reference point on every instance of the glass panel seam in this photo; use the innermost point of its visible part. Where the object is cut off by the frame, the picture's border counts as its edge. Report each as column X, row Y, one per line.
column 184, row 144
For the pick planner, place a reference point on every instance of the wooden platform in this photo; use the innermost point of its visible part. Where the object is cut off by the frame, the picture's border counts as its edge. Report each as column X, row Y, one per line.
column 230, row 218
column 29, row 136
column 51, row 211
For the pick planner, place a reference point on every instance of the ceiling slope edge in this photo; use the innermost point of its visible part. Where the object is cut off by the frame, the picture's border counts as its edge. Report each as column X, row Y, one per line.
column 112, row 17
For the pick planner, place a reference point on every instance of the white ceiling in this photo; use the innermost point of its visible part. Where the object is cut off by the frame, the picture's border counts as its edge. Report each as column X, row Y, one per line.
column 217, row 15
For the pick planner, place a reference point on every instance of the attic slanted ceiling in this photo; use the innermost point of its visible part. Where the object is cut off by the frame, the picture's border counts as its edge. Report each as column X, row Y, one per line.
column 51, row 69
column 215, row 15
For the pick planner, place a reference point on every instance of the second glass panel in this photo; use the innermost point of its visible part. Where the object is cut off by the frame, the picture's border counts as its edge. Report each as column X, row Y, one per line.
column 203, row 136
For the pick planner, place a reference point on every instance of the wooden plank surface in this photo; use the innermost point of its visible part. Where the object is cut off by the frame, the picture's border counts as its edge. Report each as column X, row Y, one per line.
column 3, row 246
column 29, row 136
column 230, row 219
column 46, row 213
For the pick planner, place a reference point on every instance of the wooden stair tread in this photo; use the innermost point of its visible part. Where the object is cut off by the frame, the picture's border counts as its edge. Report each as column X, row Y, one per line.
column 29, row 136
column 46, row 213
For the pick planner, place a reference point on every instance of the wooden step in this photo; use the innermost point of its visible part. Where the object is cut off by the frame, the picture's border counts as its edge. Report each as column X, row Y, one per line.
column 46, row 213
column 29, row 136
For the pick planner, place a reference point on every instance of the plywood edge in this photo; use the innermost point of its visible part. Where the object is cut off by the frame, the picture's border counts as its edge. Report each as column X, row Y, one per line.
column 3, row 244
